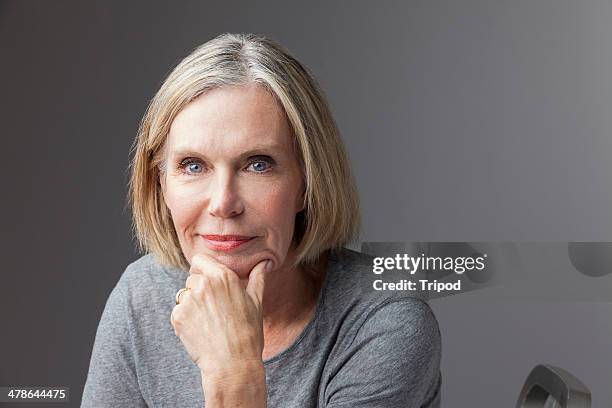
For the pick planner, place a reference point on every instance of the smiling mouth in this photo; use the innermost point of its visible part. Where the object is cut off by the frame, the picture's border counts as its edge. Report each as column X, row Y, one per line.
column 227, row 237
column 226, row 242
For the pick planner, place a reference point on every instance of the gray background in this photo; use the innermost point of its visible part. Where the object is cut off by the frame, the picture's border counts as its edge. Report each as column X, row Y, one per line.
column 464, row 120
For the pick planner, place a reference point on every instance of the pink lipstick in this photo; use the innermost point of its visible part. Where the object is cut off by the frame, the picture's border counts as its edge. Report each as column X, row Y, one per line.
column 225, row 242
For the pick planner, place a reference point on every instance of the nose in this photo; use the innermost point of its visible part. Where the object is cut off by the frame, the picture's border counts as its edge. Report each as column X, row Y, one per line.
column 224, row 200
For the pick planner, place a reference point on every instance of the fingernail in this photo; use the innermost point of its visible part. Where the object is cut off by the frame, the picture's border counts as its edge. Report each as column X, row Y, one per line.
column 268, row 266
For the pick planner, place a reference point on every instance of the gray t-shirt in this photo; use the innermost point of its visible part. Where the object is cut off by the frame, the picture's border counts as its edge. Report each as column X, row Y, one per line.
column 361, row 349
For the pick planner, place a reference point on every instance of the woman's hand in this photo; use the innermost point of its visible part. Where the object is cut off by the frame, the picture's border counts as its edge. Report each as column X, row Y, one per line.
column 219, row 322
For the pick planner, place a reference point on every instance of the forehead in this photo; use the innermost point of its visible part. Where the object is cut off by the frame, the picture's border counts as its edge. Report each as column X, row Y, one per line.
column 230, row 119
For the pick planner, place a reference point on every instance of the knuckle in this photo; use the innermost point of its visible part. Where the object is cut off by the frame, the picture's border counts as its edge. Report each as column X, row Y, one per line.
column 225, row 274
column 198, row 290
column 192, row 281
column 198, row 263
column 177, row 315
column 211, row 273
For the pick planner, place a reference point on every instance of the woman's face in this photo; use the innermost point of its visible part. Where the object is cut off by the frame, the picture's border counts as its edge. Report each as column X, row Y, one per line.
column 233, row 183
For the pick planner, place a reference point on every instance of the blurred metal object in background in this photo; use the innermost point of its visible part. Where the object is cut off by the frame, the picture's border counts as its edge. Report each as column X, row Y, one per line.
column 591, row 258
column 548, row 386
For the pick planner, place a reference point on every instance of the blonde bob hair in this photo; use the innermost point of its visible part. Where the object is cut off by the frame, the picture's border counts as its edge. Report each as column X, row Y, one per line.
column 330, row 219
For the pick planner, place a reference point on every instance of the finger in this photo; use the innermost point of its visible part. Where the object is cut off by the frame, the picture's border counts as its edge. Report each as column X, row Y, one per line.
column 203, row 264
column 199, row 287
column 255, row 287
column 173, row 320
column 192, row 281
column 184, row 295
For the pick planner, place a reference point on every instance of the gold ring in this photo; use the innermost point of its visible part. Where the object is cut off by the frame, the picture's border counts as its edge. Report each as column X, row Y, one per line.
column 179, row 293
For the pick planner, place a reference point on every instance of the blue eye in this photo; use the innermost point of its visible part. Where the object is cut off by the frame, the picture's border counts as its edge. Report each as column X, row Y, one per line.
column 190, row 166
column 194, row 167
column 260, row 166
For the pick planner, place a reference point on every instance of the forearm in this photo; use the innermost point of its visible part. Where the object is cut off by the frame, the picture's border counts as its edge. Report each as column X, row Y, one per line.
column 240, row 387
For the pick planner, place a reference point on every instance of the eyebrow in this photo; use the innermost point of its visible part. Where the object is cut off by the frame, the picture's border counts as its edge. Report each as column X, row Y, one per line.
column 255, row 151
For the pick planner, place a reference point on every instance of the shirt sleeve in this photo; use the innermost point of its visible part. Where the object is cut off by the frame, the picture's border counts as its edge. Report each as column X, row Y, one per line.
column 393, row 361
column 112, row 380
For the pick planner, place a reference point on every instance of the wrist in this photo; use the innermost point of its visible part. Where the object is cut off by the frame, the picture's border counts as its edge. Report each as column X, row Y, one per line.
column 233, row 371
column 236, row 385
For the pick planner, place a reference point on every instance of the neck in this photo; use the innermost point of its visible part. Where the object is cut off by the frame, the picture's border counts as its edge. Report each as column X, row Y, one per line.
column 291, row 294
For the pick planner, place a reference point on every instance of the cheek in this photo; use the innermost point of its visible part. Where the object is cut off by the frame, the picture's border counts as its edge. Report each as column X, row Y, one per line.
column 275, row 206
column 182, row 206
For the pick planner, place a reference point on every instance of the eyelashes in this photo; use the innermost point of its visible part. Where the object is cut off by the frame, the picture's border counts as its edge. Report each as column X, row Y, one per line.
column 259, row 164
column 188, row 162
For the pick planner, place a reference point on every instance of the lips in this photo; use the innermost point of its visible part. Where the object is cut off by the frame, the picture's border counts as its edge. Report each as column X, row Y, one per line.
column 226, row 242
column 227, row 237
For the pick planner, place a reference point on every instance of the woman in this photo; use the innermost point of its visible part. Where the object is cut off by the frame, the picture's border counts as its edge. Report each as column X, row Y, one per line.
column 243, row 198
